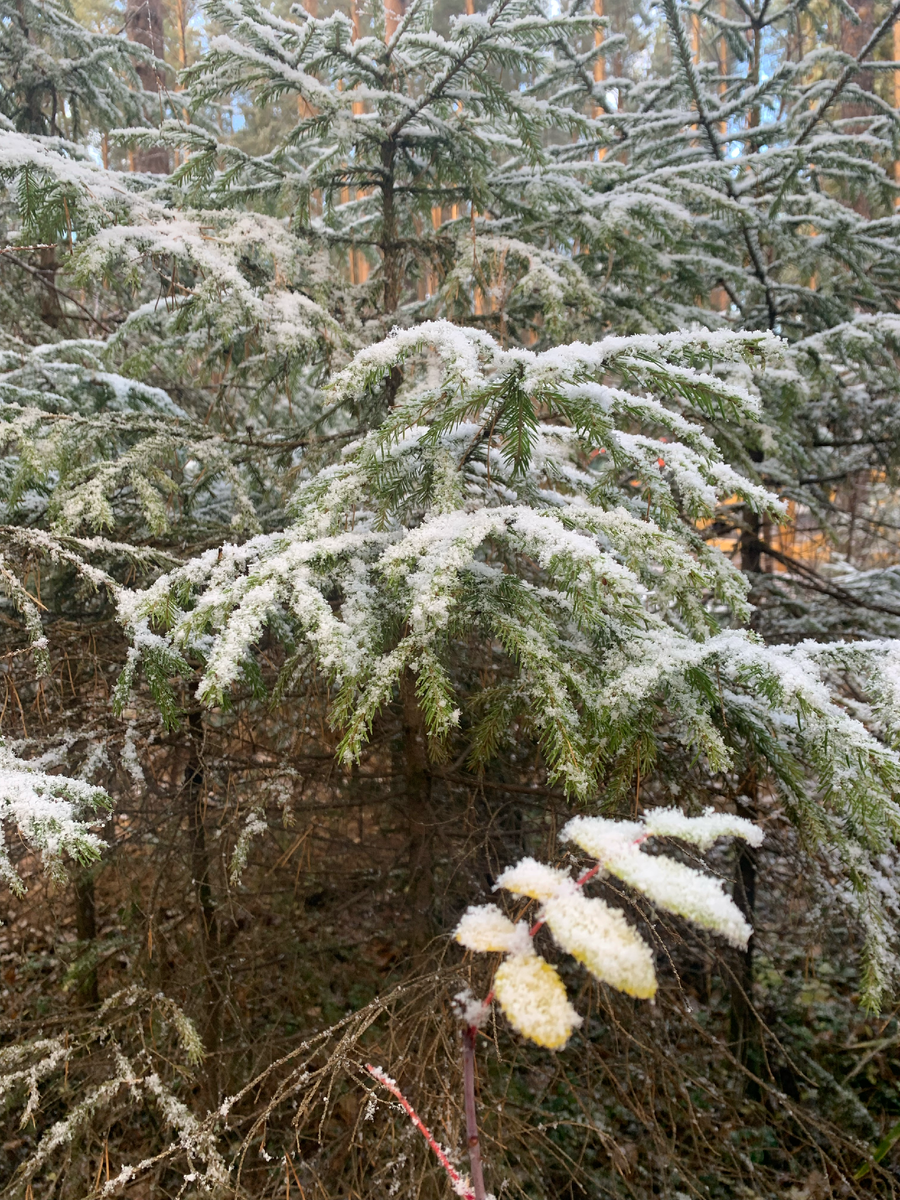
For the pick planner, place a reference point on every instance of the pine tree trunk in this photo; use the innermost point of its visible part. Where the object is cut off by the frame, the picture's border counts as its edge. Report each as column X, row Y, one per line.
column 145, row 22
column 208, row 926
column 751, row 546
column 419, row 814
column 51, row 308
column 743, row 1024
column 36, row 123
column 744, row 1027
column 393, row 15
column 389, row 247
column 391, row 260
column 86, row 930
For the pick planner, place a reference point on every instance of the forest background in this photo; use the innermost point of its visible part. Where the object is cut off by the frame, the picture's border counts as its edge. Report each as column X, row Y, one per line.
column 218, row 227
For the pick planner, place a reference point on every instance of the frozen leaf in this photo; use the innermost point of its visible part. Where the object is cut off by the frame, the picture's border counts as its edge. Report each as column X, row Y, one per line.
column 534, row 999
column 484, row 927
column 601, row 938
column 532, row 878
column 670, row 884
column 700, row 831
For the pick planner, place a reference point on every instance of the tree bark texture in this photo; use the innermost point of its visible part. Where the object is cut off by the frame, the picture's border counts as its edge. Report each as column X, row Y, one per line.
column 88, row 992
column 419, row 813
column 145, row 22
column 743, row 1021
column 208, row 931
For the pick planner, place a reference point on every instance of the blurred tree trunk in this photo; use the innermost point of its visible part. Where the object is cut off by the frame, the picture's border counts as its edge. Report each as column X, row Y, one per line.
column 88, row 991
column 744, row 1027
column 419, row 814
column 51, row 307
column 854, row 36
column 144, row 20
column 743, row 1024
column 208, row 925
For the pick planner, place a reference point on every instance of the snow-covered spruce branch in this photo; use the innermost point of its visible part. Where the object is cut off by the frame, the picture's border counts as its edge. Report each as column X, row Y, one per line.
column 511, row 498
column 54, row 815
column 506, row 496
column 93, row 470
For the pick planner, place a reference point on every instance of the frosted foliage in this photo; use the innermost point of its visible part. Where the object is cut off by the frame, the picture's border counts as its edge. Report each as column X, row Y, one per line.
column 254, row 826
column 29, row 1065
column 129, row 221
column 486, row 928
column 532, row 878
column 700, row 831
column 670, row 884
column 16, row 1071
column 518, row 533
column 534, row 1000
column 594, row 933
column 601, row 938
column 107, row 444
column 53, row 814
column 410, row 528
column 130, row 758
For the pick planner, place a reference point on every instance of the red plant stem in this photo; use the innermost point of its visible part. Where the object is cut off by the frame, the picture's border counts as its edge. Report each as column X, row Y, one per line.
column 469, row 1036
column 456, row 1179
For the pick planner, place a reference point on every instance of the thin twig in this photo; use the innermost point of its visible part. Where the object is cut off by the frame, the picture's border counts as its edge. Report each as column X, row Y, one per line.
column 469, row 1037
column 460, row 1185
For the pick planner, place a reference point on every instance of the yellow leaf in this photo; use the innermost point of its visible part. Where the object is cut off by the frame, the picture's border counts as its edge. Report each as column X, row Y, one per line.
column 601, row 938
column 534, row 999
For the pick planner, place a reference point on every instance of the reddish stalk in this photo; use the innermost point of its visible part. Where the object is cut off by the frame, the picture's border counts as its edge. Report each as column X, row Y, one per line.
column 469, row 1036
column 460, row 1185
